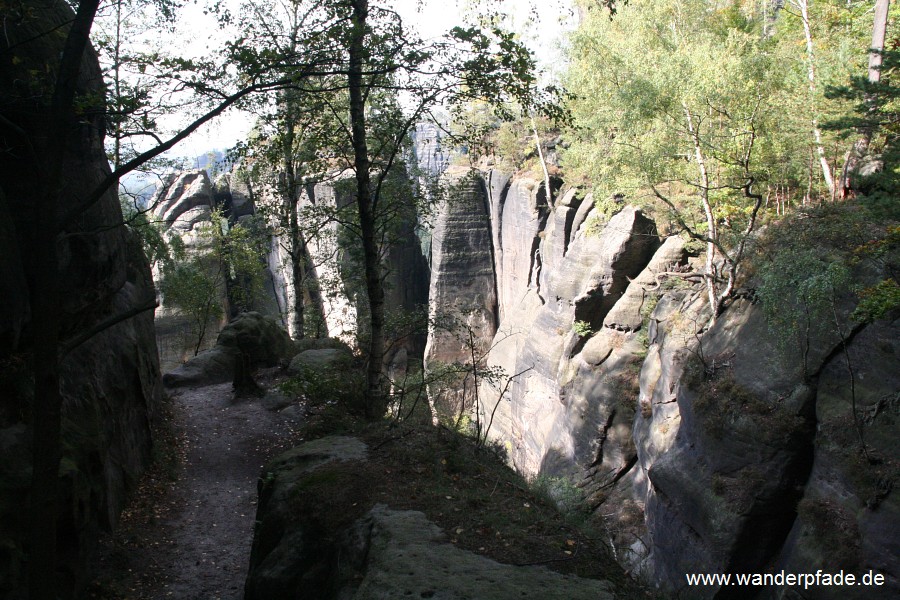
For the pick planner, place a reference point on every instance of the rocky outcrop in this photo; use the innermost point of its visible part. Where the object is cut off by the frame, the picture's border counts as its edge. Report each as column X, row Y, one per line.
column 184, row 200
column 850, row 511
column 745, row 462
column 234, row 196
column 110, row 383
column 326, row 284
column 705, row 449
column 431, row 152
column 185, row 204
column 318, row 360
column 571, row 389
column 380, row 552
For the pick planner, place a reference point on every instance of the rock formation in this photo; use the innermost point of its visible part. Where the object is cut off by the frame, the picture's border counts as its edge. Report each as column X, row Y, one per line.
column 183, row 204
column 257, row 337
column 706, row 450
column 110, row 383
column 463, row 300
column 384, row 553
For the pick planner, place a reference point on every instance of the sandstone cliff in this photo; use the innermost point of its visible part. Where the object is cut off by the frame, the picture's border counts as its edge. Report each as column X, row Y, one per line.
column 110, row 384
column 183, row 206
column 705, row 450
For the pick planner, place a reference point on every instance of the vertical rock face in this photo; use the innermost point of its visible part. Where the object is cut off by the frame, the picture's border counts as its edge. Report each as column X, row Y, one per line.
column 184, row 204
column 705, row 449
column 521, row 216
column 555, row 421
column 462, row 283
column 850, row 514
column 335, row 265
column 110, row 384
column 432, row 156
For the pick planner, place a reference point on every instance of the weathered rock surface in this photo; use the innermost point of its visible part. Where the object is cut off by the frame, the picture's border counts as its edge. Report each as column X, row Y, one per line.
column 462, row 295
column 338, row 316
column 849, row 515
column 184, row 202
column 384, row 554
column 334, row 285
column 110, row 384
column 181, row 194
column 432, row 154
column 408, row 556
column 555, row 422
column 705, row 449
column 215, row 365
column 289, row 560
column 319, row 360
column 234, row 195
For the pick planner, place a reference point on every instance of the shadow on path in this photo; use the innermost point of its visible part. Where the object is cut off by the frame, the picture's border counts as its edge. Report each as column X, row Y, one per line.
column 196, row 544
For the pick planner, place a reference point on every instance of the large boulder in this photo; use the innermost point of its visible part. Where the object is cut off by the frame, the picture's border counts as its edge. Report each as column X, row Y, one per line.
column 322, row 359
column 258, row 338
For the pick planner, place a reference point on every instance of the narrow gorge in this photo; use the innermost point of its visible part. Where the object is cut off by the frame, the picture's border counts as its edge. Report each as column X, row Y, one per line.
column 586, row 393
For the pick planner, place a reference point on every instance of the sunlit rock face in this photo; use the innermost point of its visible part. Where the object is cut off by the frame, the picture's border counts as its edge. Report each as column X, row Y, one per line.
column 335, row 289
column 704, row 448
column 338, row 315
column 183, row 204
column 111, row 383
column 430, row 150
column 569, row 407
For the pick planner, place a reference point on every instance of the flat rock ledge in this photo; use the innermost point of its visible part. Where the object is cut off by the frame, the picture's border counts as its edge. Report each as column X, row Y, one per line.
column 410, row 557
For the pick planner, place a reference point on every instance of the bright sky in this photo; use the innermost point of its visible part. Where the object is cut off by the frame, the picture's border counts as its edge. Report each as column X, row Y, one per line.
column 431, row 18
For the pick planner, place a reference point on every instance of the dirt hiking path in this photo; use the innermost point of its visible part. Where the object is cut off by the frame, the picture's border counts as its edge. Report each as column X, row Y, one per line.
column 190, row 539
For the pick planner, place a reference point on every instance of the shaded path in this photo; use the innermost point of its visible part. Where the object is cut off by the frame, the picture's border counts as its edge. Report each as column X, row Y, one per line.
column 196, row 545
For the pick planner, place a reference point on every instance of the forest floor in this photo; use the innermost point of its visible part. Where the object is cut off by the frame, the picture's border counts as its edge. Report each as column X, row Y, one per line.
column 188, row 531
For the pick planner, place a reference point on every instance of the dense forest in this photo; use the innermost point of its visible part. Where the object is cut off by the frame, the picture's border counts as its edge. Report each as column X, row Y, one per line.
column 648, row 297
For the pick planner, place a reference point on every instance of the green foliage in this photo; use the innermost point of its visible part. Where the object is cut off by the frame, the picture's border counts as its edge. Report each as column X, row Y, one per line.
column 150, row 234
column 510, row 143
column 194, row 288
column 741, row 71
column 799, row 288
column 806, row 263
column 559, row 492
column 582, row 328
column 243, row 249
column 878, row 301
column 342, row 386
column 876, row 112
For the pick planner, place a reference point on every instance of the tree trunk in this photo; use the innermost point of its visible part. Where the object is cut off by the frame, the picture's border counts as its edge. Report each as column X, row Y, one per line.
column 803, row 6
column 861, row 145
column 712, row 234
column 366, row 205
column 46, row 318
column 540, row 151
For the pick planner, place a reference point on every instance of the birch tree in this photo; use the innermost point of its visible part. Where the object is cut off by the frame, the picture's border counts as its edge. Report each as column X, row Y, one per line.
column 802, row 8
column 686, row 132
